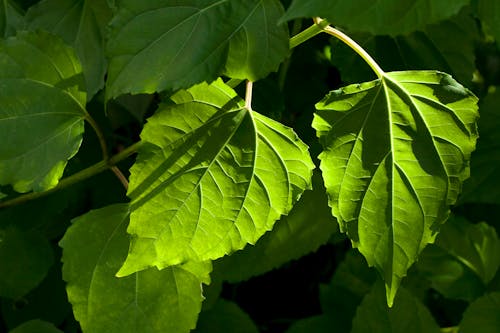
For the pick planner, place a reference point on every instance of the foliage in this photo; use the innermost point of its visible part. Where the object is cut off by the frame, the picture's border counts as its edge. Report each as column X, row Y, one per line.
column 334, row 174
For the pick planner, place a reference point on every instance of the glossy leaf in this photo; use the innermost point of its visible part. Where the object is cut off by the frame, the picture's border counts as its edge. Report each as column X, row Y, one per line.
column 308, row 226
column 82, row 24
column 36, row 326
column 25, row 259
column 380, row 17
column 211, row 177
column 482, row 316
column 407, row 316
column 447, row 46
column 462, row 248
column 41, row 119
column 188, row 43
column 149, row 301
column 396, row 151
column 225, row 317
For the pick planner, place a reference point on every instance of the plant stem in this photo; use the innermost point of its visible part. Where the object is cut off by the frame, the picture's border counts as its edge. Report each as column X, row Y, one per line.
column 307, row 34
column 100, row 136
column 353, row 45
column 233, row 83
column 248, row 96
column 120, row 176
column 77, row 177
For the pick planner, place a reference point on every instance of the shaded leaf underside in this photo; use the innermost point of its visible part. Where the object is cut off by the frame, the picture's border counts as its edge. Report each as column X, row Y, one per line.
column 395, row 153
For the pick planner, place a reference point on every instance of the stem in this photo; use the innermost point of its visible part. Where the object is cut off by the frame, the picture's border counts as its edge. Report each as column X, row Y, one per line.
column 100, row 136
column 77, row 177
column 353, row 45
column 233, row 83
column 120, row 176
column 307, row 34
column 248, row 96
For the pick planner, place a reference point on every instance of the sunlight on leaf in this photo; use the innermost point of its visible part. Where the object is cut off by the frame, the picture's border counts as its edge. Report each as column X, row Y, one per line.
column 151, row 301
column 396, row 151
column 211, row 177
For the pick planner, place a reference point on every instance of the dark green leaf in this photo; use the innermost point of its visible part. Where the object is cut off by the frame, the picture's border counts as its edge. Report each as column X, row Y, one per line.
column 226, row 317
column 36, row 326
column 316, row 324
column 41, row 119
column 396, row 151
column 447, row 46
column 407, row 315
column 189, row 41
column 482, row 316
column 391, row 17
column 150, row 301
column 82, row 24
column 489, row 13
column 307, row 226
column 464, row 259
column 11, row 18
column 211, row 177
column 25, row 259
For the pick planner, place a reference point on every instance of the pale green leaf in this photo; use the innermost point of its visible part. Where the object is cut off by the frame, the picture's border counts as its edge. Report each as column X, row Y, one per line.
column 225, row 317
column 464, row 259
column 211, row 176
column 158, row 45
column 407, row 315
column 483, row 315
column 150, row 301
column 396, row 151
column 41, row 119
column 36, row 326
column 82, row 24
column 380, row 17
column 308, row 225
column 489, row 14
column 25, row 259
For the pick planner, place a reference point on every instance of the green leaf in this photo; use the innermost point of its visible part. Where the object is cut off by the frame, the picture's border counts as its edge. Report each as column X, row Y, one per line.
column 407, row 316
column 396, row 151
column 25, row 259
column 36, row 326
column 41, row 119
column 82, row 24
column 447, row 46
column 211, row 176
column 11, row 18
column 225, row 317
column 489, row 14
column 315, row 324
column 379, row 17
column 482, row 316
column 464, row 259
column 308, row 226
column 150, row 301
column 188, row 43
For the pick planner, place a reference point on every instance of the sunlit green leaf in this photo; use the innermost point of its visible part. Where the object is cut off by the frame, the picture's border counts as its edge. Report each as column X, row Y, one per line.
column 307, row 226
column 482, row 316
column 187, row 42
column 383, row 17
column 407, row 315
column 225, row 317
column 36, row 326
column 396, row 151
column 150, row 301
column 211, row 177
column 82, row 24
column 25, row 259
column 462, row 249
column 41, row 118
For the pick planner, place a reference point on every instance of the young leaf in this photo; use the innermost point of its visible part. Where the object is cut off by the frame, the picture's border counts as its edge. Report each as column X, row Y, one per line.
column 308, row 225
column 150, row 301
column 36, row 326
column 407, row 316
column 82, row 24
column 225, row 317
column 482, row 316
column 211, row 177
column 25, row 259
column 41, row 119
column 188, row 42
column 396, row 151
column 379, row 17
